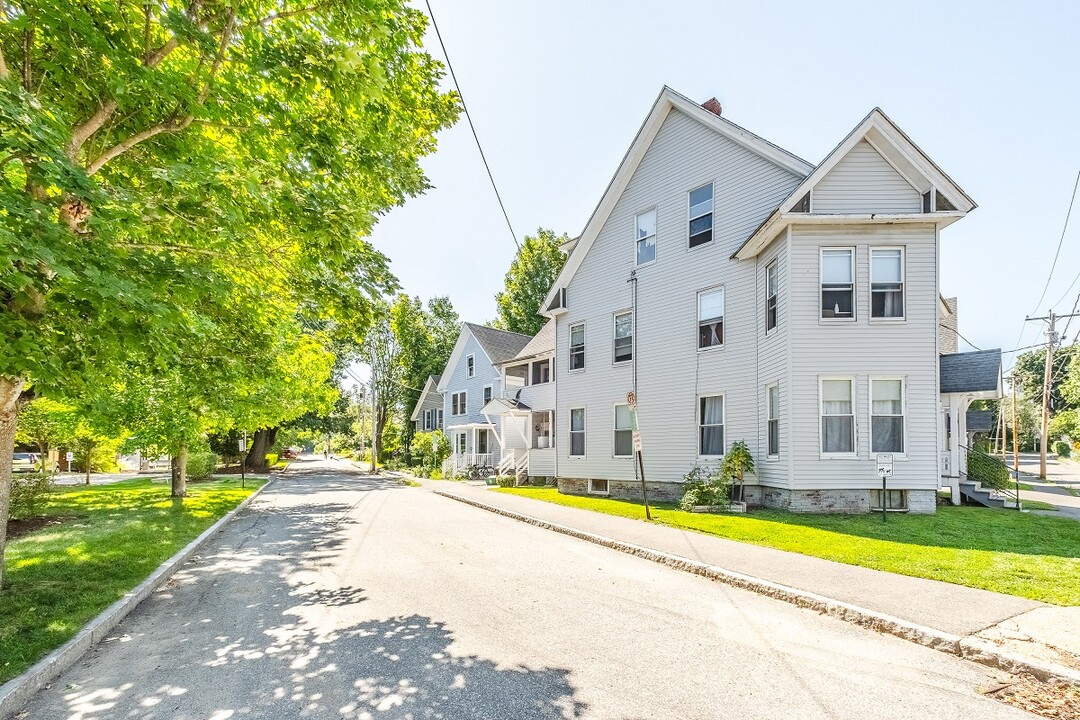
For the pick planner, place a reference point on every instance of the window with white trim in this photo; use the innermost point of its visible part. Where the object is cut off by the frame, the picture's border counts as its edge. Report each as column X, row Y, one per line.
column 710, row 318
column 645, row 236
column 887, row 283
column 577, row 431
column 838, row 283
column 624, row 337
column 482, row 442
column 887, row 415
column 487, row 394
column 438, row 420
column 837, row 417
column 624, row 441
column 457, row 403
column 772, row 422
column 461, row 443
column 470, row 366
column 772, row 291
column 577, row 347
column 701, row 215
column 711, row 426
column 598, row 486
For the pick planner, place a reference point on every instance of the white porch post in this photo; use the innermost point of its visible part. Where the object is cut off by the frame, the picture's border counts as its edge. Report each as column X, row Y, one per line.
column 954, row 449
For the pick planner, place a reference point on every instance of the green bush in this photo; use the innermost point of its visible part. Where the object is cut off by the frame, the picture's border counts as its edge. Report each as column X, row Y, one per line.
column 436, row 474
column 702, row 487
column 1062, row 449
column 28, row 492
column 988, row 470
column 202, row 464
column 271, row 459
column 506, row 481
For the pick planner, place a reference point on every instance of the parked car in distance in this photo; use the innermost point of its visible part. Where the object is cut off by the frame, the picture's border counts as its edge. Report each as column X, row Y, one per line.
column 289, row 454
column 24, row 462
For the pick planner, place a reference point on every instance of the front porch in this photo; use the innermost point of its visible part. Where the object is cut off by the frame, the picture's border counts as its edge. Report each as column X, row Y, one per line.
column 475, row 450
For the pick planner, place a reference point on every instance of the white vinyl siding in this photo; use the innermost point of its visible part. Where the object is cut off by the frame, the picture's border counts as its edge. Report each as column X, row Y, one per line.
column 863, row 182
column 623, row 440
column 671, row 374
column 887, row 283
column 645, row 237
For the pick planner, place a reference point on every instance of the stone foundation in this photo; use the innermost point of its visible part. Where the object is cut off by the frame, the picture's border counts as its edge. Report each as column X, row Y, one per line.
column 852, row 502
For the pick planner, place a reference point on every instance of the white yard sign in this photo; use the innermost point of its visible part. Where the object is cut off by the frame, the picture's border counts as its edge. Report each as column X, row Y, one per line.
column 884, row 465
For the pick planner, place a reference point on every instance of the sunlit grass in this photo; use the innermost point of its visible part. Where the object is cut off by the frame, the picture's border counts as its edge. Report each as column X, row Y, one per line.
column 1028, row 555
column 60, row 577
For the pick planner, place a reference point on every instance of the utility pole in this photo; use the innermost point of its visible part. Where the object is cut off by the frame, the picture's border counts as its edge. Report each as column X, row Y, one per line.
column 1016, row 441
column 1051, row 341
column 374, row 468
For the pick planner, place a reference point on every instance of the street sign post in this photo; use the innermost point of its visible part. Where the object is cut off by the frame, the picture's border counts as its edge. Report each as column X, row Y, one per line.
column 884, row 470
column 70, row 459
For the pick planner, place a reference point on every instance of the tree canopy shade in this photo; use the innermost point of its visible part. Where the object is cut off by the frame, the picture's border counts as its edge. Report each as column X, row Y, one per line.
column 168, row 169
column 528, row 280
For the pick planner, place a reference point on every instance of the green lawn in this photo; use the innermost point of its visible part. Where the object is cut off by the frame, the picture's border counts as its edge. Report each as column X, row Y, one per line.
column 59, row 577
column 1022, row 554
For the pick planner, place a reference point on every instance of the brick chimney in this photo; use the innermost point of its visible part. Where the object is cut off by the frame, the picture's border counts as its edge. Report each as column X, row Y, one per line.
column 713, row 106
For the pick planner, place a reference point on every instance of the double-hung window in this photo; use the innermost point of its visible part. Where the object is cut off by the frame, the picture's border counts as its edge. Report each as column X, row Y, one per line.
column 645, row 236
column 887, row 415
column 887, row 283
column 457, row 403
column 461, row 443
column 470, row 366
column 837, row 417
column 772, row 403
column 710, row 318
column 711, row 426
column 577, row 347
column 624, row 337
column 577, row 431
column 771, row 293
column 487, row 394
column 701, row 215
column 838, row 283
column 624, row 441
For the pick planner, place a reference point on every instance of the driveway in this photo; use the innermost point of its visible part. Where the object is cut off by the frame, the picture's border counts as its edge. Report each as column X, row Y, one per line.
column 340, row 595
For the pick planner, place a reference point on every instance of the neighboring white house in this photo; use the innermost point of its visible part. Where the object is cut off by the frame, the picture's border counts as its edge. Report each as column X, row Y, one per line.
column 524, row 414
column 428, row 413
column 747, row 295
column 471, row 379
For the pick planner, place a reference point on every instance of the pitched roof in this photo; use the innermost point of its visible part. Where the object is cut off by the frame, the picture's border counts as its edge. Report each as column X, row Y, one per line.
column 500, row 345
column 432, row 384
column 897, row 148
column 541, row 343
column 665, row 102
column 978, row 371
column 979, row 421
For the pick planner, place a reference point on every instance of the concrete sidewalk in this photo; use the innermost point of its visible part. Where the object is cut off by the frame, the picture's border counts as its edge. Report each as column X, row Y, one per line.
column 1019, row 626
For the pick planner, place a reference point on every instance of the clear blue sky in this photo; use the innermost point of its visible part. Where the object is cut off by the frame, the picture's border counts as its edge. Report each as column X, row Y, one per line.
column 557, row 90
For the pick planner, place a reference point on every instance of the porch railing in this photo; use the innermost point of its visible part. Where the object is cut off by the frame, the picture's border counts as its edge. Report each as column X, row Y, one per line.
column 992, row 473
column 460, row 462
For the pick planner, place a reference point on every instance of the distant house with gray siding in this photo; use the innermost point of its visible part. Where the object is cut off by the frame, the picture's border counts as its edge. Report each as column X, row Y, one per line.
column 746, row 294
column 428, row 413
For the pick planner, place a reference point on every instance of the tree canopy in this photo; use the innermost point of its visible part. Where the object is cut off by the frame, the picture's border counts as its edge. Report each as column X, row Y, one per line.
column 528, row 280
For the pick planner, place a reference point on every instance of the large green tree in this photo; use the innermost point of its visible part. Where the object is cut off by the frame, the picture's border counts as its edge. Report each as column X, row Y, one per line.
column 155, row 155
column 1030, row 370
column 528, row 280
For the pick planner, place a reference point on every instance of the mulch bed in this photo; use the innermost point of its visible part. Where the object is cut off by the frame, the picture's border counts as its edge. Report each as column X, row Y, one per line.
column 18, row 528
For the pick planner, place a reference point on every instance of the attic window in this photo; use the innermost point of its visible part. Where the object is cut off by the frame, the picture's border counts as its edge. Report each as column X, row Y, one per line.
column 803, row 205
column 926, row 207
column 941, row 202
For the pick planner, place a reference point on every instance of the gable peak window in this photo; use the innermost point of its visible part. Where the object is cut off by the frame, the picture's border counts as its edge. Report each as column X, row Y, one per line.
column 838, row 283
column 645, row 236
column 701, row 215
column 941, row 202
column 887, row 283
column 577, row 347
column 803, row 206
column 624, row 337
column 470, row 366
column 772, row 282
column 710, row 318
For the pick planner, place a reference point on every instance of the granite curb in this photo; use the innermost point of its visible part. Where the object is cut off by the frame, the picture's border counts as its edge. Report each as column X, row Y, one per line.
column 15, row 693
column 969, row 648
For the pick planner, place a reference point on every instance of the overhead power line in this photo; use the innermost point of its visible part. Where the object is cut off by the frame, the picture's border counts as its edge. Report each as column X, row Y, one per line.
column 1061, row 240
column 472, row 127
column 957, row 333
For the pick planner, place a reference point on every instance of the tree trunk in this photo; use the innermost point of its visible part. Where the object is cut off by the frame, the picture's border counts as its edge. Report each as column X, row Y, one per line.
column 179, row 478
column 9, row 414
column 261, row 442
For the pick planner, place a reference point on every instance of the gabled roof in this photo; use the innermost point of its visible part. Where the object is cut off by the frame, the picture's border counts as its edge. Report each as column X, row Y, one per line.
column 430, row 386
column 664, row 104
column 897, row 148
column 541, row 344
column 498, row 345
column 979, row 421
column 970, row 372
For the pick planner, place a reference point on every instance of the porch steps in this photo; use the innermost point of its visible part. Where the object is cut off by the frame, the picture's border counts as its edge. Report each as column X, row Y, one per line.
column 988, row 497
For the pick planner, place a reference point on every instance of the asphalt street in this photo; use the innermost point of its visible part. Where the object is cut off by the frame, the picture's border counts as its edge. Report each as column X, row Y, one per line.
column 338, row 595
